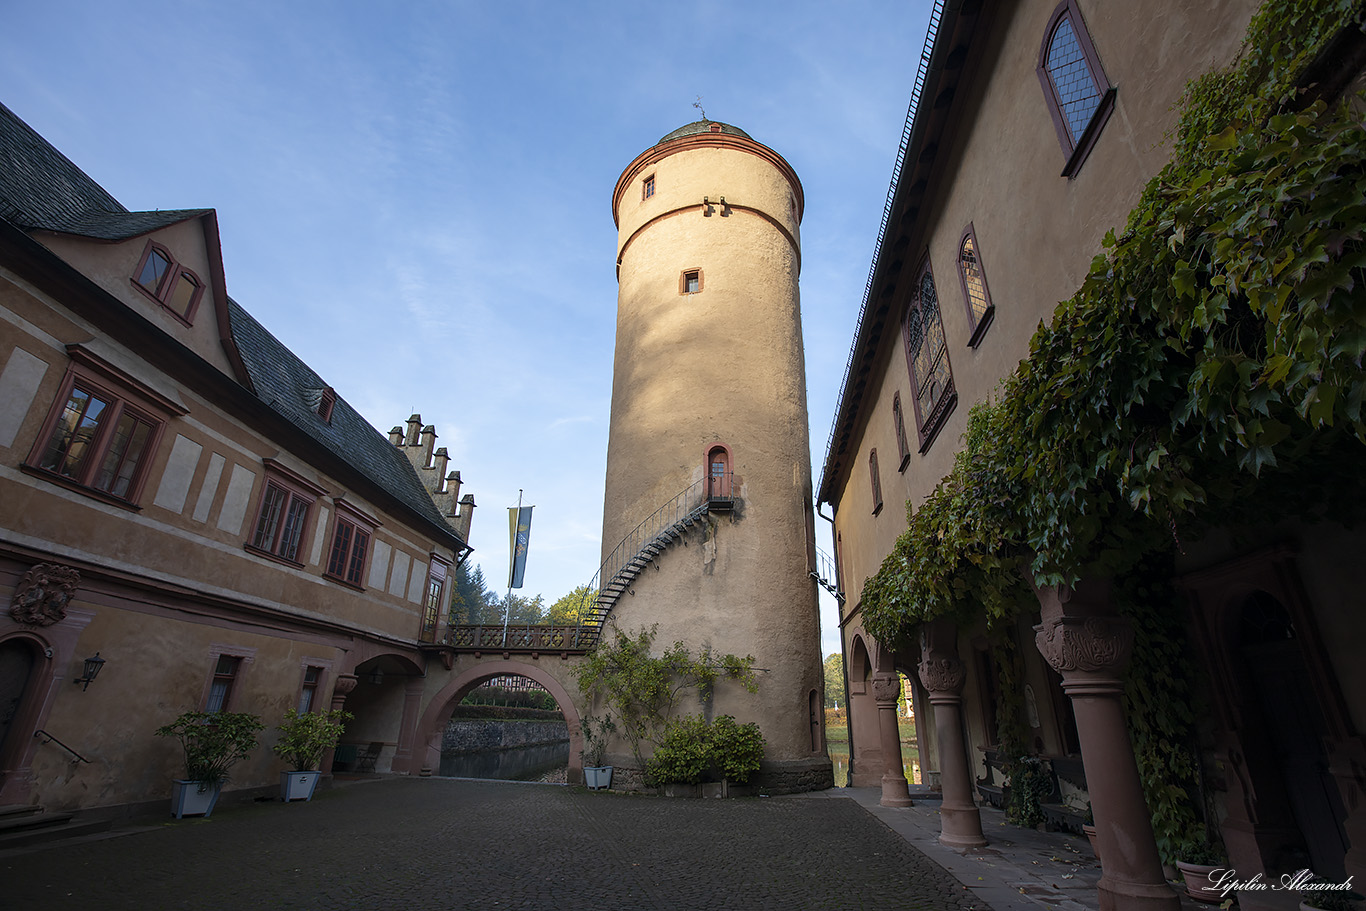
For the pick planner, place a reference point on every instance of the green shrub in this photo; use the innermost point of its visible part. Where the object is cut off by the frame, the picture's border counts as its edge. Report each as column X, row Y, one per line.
column 692, row 749
column 213, row 742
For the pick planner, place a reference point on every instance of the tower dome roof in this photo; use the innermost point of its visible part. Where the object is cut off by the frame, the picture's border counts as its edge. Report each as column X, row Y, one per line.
column 704, row 126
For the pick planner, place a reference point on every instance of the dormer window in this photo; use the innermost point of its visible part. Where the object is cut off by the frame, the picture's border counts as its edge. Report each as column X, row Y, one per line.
column 171, row 285
column 155, row 269
column 325, row 404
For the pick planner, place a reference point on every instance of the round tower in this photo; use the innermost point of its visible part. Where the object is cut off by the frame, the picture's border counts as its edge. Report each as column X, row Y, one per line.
column 708, row 443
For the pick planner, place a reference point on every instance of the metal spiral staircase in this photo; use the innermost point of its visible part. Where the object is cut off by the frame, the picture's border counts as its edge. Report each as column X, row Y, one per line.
column 668, row 525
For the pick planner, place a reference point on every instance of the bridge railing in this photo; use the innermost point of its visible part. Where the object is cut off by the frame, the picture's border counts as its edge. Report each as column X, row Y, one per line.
column 517, row 637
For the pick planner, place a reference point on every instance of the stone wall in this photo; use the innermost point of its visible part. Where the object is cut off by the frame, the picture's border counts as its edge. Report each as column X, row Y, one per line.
column 473, row 736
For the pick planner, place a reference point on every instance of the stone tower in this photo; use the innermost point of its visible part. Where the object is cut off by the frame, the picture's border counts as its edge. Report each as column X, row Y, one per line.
column 709, row 425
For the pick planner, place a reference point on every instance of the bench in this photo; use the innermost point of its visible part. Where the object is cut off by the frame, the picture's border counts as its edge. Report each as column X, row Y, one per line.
column 1060, row 814
column 995, row 785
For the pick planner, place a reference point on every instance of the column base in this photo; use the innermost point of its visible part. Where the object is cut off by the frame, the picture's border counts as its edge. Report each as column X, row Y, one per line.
column 895, row 792
column 961, row 827
column 1130, row 896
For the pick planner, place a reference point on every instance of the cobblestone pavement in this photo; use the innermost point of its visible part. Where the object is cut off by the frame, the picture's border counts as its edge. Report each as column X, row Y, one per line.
column 446, row 844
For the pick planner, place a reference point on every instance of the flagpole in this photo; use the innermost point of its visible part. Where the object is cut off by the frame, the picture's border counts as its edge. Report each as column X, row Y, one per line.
column 512, row 567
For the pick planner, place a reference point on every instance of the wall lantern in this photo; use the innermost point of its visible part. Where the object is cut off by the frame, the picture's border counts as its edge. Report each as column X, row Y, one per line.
column 92, row 670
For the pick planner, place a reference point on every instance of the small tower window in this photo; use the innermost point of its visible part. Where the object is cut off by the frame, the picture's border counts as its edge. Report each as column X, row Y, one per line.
column 647, row 187
column 690, row 281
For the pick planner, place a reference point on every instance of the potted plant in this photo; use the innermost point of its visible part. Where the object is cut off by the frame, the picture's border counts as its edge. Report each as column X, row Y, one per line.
column 596, row 733
column 1198, row 859
column 213, row 742
column 1324, row 894
column 1088, row 828
column 304, row 737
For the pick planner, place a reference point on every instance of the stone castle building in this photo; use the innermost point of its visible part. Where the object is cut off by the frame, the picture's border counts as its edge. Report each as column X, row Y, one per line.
column 708, row 444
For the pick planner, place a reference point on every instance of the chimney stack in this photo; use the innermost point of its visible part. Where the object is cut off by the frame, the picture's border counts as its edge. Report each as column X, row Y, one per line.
column 428, row 440
column 414, row 424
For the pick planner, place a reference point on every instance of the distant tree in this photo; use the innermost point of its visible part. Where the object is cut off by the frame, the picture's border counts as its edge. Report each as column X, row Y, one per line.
column 573, row 606
column 834, row 681
column 521, row 610
column 471, row 600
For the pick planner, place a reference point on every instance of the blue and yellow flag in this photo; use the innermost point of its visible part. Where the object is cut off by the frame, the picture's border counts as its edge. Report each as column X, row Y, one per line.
column 519, row 536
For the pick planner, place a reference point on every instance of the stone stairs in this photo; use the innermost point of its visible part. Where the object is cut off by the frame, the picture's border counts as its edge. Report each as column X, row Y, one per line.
column 23, row 825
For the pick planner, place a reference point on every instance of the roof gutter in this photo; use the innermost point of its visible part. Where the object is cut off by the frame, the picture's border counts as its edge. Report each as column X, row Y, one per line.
column 944, row 21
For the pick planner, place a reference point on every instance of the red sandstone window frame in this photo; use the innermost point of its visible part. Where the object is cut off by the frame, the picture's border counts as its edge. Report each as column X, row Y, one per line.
column 903, row 448
column 348, row 549
column 310, row 688
column 232, row 677
column 438, row 570
column 876, row 478
column 166, row 290
column 1075, row 149
column 928, row 425
column 122, row 395
column 697, row 281
column 293, row 491
column 978, row 322
column 647, row 187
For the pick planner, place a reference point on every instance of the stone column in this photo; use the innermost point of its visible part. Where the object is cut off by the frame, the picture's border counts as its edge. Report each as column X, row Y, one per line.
column 943, row 675
column 886, row 687
column 340, row 690
column 1085, row 641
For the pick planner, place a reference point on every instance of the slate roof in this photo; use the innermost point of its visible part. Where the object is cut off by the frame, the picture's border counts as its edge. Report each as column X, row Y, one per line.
column 40, row 188
column 291, row 387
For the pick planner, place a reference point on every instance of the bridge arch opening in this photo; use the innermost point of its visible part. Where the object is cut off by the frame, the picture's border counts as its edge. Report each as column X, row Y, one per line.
column 432, row 725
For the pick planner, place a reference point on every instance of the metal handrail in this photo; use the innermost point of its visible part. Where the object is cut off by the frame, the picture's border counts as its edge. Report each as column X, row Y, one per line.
column 660, row 528
column 50, row 739
column 827, row 574
column 672, row 512
column 930, row 34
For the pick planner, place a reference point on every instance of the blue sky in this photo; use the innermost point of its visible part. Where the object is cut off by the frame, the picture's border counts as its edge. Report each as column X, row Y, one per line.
column 416, row 198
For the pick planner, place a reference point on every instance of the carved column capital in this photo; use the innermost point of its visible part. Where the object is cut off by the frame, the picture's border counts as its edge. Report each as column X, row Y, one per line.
column 41, row 597
column 886, row 689
column 342, row 688
column 943, row 674
column 1088, row 645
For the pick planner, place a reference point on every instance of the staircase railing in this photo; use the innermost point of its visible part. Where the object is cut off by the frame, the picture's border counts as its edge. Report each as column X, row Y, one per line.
column 827, row 574
column 634, row 552
column 647, row 540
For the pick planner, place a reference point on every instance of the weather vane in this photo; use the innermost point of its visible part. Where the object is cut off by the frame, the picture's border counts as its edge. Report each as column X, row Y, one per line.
column 698, row 104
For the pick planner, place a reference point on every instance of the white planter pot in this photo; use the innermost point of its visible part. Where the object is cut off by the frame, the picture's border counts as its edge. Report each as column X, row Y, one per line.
column 298, row 785
column 193, row 798
column 597, row 778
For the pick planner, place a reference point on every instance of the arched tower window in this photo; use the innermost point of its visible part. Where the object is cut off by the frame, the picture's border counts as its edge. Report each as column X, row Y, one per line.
column 928, row 358
column 1078, row 95
column 975, row 292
